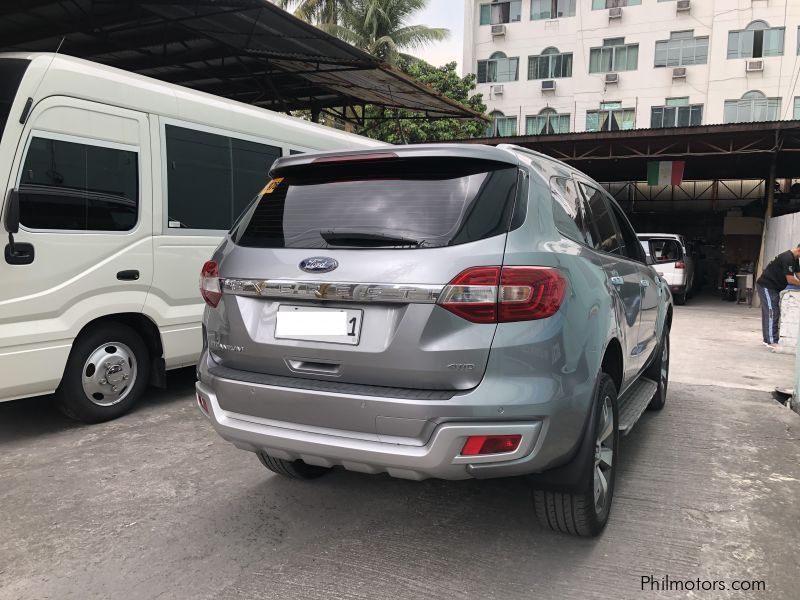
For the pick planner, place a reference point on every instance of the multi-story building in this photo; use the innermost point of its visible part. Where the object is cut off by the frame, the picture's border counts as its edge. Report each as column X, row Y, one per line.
column 557, row 66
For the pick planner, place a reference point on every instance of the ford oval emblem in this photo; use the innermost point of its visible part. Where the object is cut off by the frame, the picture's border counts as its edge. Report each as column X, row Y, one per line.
column 319, row 264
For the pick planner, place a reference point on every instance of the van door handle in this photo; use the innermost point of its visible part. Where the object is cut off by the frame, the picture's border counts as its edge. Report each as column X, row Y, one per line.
column 617, row 280
column 130, row 275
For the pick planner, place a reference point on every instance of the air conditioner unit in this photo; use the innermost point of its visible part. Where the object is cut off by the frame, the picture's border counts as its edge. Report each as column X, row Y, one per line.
column 679, row 73
column 497, row 90
column 615, row 13
column 754, row 65
column 498, row 30
column 611, row 78
column 684, row 5
column 548, row 85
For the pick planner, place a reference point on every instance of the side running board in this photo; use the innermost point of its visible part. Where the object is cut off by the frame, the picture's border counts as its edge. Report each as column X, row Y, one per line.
column 634, row 403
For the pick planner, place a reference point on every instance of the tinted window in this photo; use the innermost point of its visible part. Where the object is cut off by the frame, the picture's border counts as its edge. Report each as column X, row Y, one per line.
column 567, row 211
column 601, row 221
column 72, row 186
column 211, row 178
column 631, row 246
column 11, row 72
column 402, row 203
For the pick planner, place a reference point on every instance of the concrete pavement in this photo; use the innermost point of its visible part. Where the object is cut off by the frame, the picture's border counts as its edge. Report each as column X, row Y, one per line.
column 155, row 505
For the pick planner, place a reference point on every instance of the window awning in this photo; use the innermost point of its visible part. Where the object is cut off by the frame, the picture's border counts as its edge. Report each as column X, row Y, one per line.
column 246, row 50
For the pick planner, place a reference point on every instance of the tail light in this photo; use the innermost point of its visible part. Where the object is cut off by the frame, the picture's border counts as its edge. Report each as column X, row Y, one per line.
column 504, row 294
column 679, row 264
column 490, row 444
column 209, row 283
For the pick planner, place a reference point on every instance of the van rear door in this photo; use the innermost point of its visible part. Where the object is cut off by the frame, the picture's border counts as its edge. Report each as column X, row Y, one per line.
column 370, row 245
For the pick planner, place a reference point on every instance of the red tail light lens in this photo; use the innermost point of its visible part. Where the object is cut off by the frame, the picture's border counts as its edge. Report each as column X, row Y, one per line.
column 504, row 295
column 528, row 293
column 679, row 264
column 490, row 444
column 209, row 283
column 472, row 294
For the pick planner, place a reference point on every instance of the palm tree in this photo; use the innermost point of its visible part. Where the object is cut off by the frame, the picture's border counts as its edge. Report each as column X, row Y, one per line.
column 378, row 26
column 318, row 12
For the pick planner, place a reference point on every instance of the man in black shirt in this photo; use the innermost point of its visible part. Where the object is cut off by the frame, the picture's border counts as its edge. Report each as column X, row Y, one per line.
column 779, row 273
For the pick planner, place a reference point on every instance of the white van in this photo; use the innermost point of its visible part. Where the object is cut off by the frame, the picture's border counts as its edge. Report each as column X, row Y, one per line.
column 668, row 254
column 117, row 189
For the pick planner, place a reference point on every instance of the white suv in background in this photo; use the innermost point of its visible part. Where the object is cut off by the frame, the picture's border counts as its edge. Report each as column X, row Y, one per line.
column 668, row 254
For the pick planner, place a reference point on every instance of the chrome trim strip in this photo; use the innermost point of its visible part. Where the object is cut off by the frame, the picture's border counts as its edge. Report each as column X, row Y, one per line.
column 286, row 289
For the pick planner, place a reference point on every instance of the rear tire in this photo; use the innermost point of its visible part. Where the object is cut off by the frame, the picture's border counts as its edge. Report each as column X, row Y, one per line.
column 658, row 371
column 293, row 469
column 106, row 374
column 680, row 299
column 585, row 513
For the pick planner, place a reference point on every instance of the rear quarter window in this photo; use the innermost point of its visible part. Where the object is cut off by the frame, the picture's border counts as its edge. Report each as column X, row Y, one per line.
column 399, row 203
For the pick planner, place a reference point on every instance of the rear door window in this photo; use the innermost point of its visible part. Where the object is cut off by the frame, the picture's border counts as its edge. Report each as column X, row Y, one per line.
column 397, row 203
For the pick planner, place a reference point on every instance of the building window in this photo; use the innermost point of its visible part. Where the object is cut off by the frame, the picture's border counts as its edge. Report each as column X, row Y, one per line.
column 796, row 107
column 502, row 126
column 601, row 4
column 206, row 165
column 610, row 117
column 552, row 9
column 682, row 49
column 548, row 121
column 550, row 64
column 501, row 12
column 676, row 112
column 756, row 40
column 751, row 107
column 72, row 186
column 614, row 55
column 498, row 68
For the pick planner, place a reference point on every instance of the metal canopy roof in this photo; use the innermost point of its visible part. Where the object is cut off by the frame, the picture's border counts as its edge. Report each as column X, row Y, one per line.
column 734, row 151
column 246, row 50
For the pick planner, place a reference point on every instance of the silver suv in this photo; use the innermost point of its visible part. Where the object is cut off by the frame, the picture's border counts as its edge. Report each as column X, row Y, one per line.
column 451, row 311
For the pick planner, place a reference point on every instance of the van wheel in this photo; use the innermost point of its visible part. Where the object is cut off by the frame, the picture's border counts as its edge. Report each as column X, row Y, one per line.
column 658, row 371
column 293, row 469
column 585, row 513
column 106, row 374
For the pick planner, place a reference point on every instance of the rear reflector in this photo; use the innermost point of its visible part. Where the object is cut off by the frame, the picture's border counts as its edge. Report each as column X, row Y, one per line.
column 679, row 264
column 209, row 283
column 504, row 295
column 490, row 444
column 201, row 402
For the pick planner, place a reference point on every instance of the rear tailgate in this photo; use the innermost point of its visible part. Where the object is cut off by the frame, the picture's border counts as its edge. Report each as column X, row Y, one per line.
column 336, row 271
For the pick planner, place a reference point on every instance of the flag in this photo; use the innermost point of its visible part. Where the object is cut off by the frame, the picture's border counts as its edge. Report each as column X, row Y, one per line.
column 668, row 172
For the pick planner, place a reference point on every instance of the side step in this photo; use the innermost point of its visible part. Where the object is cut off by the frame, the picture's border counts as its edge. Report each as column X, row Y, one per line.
column 634, row 403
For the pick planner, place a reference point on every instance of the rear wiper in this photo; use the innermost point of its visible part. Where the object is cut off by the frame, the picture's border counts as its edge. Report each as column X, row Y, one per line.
column 367, row 239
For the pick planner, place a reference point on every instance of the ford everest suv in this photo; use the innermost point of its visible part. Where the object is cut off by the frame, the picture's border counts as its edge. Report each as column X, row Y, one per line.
column 450, row 311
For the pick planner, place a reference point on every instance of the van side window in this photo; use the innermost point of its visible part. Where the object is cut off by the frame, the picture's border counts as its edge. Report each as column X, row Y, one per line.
column 632, row 247
column 212, row 178
column 601, row 220
column 567, row 210
column 78, row 187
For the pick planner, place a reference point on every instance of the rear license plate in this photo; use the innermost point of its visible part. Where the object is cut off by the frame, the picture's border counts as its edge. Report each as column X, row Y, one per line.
column 730, row 280
column 312, row 324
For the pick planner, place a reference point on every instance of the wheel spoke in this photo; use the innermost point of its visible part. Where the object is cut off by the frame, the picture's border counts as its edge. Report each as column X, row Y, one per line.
column 606, row 457
column 600, row 488
column 606, row 421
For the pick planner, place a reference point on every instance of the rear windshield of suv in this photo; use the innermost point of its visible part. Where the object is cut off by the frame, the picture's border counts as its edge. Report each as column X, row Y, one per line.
column 389, row 203
column 664, row 250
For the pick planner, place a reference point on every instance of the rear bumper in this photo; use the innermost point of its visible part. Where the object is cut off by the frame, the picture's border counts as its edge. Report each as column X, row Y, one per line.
column 550, row 429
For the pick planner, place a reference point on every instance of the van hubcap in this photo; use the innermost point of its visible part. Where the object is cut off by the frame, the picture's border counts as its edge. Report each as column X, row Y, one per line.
column 603, row 456
column 109, row 374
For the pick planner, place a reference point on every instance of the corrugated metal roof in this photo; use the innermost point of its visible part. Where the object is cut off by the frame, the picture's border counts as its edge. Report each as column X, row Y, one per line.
column 247, row 50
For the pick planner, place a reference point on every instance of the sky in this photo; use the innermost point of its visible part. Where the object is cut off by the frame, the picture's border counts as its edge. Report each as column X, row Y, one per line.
column 443, row 13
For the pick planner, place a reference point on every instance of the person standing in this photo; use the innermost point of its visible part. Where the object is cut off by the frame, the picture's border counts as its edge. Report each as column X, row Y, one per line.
column 779, row 273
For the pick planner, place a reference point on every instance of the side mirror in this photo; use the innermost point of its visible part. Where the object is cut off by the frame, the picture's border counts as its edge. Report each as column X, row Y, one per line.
column 11, row 212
